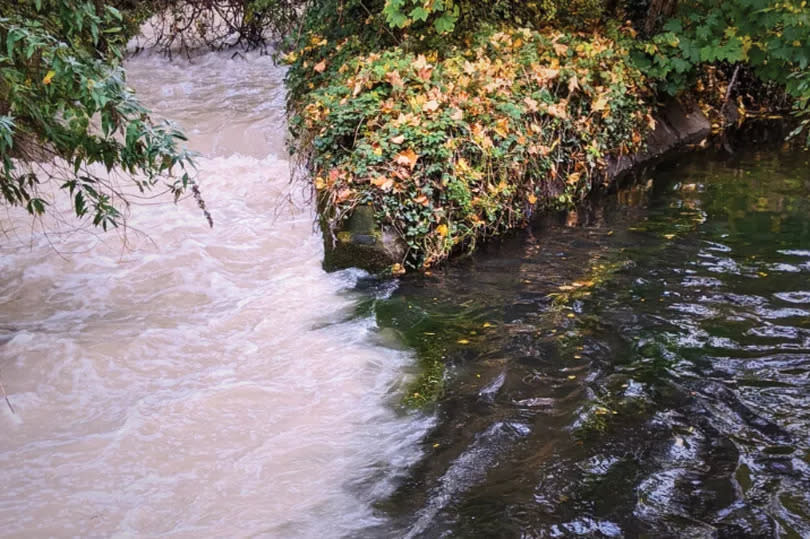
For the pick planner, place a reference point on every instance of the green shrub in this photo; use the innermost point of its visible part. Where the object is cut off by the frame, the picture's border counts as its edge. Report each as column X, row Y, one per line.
column 63, row 95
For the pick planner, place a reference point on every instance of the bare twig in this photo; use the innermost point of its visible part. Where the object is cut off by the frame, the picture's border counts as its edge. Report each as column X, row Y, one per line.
column 5, row 396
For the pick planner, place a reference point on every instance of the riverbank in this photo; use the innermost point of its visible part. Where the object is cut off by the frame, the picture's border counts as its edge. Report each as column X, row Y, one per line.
column 424, row 144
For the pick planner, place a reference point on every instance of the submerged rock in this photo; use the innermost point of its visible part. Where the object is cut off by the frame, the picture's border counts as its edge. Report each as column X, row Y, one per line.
column 361, row 243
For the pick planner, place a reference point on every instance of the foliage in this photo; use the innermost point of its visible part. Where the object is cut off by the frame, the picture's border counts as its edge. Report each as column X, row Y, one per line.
column 63, row 97
column 443, row 15
column 451, row 150
column 772, row 38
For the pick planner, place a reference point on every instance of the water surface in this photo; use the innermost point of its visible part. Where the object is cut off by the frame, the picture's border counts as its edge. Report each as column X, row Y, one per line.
column 639, row 368
column 197, row 382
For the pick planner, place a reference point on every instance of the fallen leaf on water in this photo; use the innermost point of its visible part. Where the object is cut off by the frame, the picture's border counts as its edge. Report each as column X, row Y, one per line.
column 669, row 236
column 463, row 341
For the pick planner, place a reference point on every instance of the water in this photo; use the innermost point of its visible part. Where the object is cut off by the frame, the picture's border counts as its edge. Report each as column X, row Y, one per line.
column 197, row 381
column 639, row 368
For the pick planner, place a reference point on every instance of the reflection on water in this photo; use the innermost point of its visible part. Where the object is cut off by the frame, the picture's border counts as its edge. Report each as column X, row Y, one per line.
column 207, row 381
column 637, row 368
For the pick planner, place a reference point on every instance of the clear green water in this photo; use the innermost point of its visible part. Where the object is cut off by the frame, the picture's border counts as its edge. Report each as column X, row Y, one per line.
column 640, row 368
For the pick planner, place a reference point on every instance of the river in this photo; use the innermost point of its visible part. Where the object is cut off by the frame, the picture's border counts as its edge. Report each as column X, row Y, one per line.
column 639, row 367
column 197, row 381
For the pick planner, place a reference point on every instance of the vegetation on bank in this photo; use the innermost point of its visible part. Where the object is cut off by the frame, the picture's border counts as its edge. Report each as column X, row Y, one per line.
column 452, row 148
column 454, row 120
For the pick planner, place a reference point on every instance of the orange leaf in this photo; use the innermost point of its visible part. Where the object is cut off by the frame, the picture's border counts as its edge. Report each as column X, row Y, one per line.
column 573, row 84
column 320, row 67
column 343, row 194
column 383, row 182
column 561, row 49
column 408, row 158
column 394, row 79
column 532, row 199
column 423, row 200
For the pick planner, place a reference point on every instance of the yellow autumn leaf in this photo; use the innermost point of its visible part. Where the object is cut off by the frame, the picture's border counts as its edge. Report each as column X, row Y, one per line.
column 48, row 77
column 442, row 230
column 463, row 341
column 532, row 199
column 320, row 67
column 600, row 103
